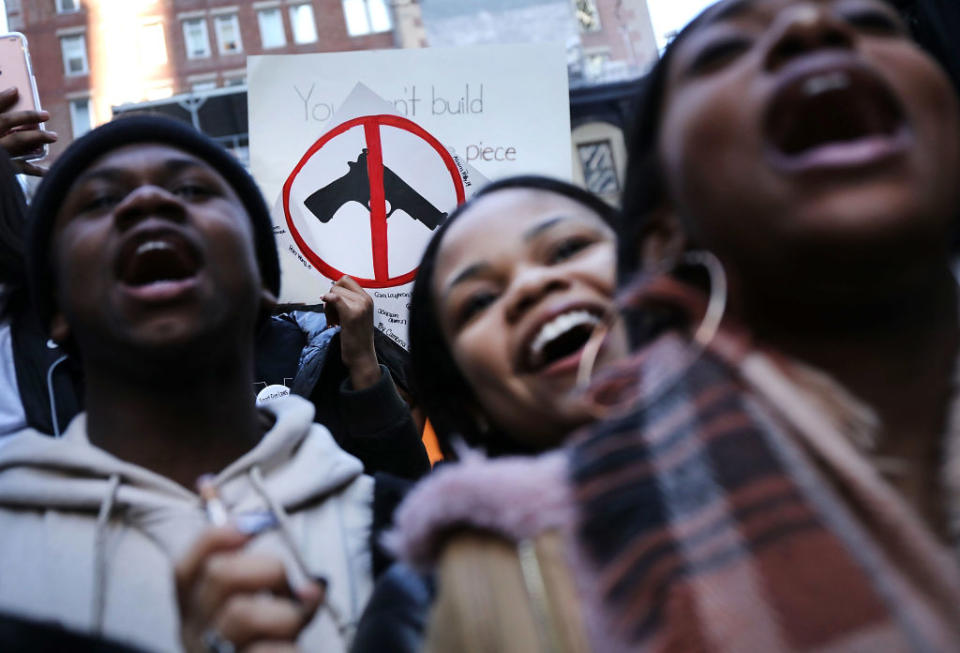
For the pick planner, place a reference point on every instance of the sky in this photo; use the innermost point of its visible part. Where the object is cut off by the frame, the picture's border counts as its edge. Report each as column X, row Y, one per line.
column 669, row 16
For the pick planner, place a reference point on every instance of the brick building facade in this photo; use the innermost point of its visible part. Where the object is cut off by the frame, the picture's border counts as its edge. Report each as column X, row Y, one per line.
column 187, row 58
column 90, row 56
column 617, row 38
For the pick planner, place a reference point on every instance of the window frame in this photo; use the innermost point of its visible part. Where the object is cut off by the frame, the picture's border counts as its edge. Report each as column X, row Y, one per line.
column 202, row 21
column 235, row 20
column 204, row 86
column 78, row 6
column 368, row 17
column 587, row 7
column 283, row 32
column 609, row 171
column 293, row 23
column 82, row 36
column 153, row 23
column 73, row 116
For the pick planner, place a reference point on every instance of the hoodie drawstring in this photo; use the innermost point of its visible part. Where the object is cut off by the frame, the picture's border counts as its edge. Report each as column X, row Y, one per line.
column 53, row 399
column 256, row 479
column 100, row 553
column 286, row 533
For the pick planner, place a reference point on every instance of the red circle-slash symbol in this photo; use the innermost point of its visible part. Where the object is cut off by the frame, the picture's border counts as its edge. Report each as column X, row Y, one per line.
column 378, row 211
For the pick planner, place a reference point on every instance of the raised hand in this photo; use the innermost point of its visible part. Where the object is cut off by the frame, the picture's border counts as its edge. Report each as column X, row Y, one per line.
column 20, row 133
column 348, row 305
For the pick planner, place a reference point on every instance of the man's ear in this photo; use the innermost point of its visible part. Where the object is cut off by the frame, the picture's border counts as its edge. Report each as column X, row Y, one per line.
column 59, row 329
column 663, row 242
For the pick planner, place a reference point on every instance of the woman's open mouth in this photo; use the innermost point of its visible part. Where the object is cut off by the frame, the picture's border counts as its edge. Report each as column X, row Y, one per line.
column 830, row 113
column 559, row 341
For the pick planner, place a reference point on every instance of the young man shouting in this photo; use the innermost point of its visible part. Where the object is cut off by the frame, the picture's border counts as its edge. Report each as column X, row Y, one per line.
column 152, row 259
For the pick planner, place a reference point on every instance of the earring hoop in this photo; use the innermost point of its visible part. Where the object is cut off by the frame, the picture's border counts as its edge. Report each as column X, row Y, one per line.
column 703, row 336
column 717, row 303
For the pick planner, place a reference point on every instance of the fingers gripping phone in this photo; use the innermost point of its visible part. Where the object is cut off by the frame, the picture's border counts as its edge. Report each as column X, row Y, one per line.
column 15, row 70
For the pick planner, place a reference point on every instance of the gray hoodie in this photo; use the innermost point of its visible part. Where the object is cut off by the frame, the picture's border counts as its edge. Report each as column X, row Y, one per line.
column 90, row 541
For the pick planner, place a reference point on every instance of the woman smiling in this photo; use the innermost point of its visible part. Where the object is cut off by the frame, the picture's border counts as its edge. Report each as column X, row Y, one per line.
column 509, row 291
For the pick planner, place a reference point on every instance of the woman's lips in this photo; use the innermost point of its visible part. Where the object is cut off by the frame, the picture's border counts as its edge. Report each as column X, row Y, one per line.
column 829, row 112
column 862, row 153
column 557, row 335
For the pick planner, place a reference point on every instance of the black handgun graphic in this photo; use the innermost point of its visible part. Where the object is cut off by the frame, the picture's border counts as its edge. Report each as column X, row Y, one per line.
column 355, row 187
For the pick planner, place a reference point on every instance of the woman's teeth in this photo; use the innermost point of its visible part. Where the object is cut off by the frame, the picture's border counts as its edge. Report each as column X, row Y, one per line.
column 152, row 245
column 558, row 326
column 835, row 81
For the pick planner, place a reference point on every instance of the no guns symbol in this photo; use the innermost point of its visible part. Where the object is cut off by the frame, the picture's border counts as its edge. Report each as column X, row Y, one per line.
column 355, row 187
column 380, row 189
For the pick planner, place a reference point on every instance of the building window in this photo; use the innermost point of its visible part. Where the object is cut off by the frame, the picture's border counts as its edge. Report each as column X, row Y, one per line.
column 67, row 6
column 588, row 18
column 234, row 81
column 599, row 169
column 80, row 117
column 74, row 48
column 152, row 45
column 158, row 92
column 271, row 28
column 594, row 64
column 366, row 16
column 228, row 34
column 304, row 26
column 195, row 38
column 200, row 87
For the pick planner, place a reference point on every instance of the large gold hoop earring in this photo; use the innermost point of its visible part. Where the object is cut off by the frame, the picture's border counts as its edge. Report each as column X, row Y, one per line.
column 703, row 336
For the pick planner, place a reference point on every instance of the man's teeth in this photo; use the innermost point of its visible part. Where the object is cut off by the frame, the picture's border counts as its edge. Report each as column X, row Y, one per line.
column 152, row 245
column 560, row 325
column 834, row 81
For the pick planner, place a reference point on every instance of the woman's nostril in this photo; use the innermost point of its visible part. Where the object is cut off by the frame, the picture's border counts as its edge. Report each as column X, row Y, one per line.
column 791, row 47
column 796, row 45
column 835, row 39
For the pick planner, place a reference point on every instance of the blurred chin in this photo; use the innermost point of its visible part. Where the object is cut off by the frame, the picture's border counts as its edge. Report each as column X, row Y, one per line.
column 886, row 218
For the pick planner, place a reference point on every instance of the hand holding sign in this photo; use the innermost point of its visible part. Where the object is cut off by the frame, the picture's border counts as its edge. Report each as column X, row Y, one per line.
column 350, row 307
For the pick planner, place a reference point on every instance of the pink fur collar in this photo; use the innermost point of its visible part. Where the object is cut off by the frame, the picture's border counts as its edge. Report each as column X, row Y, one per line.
column 515, row 497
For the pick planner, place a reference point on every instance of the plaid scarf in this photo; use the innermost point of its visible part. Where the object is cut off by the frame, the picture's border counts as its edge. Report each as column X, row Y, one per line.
column 727, row 511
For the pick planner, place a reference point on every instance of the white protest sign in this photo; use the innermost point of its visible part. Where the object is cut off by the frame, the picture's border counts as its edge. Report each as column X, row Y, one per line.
column 363, row 201
column 361, row 177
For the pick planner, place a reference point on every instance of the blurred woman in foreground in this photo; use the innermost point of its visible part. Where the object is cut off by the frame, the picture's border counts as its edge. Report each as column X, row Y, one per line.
column 785, row 477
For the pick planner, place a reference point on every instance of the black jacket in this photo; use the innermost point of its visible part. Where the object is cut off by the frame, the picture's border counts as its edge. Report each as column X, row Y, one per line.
column 45, row 377
column 395, row 618
column 374, row 424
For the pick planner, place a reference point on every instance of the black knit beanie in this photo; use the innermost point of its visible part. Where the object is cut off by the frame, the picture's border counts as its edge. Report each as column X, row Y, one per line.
column 113, row 135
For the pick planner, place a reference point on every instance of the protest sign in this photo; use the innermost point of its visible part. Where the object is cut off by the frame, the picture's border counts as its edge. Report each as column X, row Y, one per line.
column 364, row 153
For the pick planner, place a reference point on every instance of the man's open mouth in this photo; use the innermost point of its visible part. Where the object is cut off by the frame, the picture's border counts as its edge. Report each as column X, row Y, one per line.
column 157, row 257
column 558, row 338
column 831, row 113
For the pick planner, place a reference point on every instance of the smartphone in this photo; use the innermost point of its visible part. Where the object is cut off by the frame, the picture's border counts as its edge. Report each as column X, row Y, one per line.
column 15, row 70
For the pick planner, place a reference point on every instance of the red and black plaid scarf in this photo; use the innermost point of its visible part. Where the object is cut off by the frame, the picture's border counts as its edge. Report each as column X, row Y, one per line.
column 705, row 525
